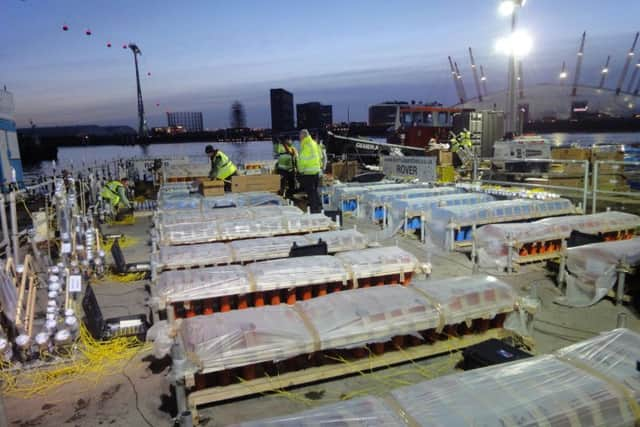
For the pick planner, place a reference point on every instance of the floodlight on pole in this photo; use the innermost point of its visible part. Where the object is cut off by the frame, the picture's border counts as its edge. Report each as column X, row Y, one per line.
column 517, row 45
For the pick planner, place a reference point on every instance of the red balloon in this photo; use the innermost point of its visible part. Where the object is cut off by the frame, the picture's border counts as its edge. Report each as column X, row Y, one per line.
column 157, row 105
column 124, row 46
column 88, row 32
column 65, row 28
column 148, row 74
column 108, row 44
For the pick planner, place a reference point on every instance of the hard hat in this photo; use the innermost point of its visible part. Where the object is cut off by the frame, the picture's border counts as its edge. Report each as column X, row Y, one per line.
column 209, row 149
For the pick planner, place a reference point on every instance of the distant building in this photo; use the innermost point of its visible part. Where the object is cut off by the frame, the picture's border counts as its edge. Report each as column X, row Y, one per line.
column 281, row 110
column 314, row 115
column 190, row 121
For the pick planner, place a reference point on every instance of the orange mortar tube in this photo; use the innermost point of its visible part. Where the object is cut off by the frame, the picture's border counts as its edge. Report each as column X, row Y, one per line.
column 275, row 297
column 306, row 293
column 258, row 299
column 208, row 306
column 322, row 290
column 225, row 304
column 243, row 302
column 291, row 296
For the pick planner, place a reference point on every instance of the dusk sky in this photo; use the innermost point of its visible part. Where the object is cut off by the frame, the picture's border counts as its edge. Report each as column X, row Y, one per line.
column 351, row 53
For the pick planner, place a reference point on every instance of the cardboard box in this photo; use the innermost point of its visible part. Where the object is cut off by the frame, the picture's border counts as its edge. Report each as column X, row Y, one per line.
column 571, row 153
column 443, row 158
column 567, row 170
column 612, row 183
column 212, row 187
column 596, row 154
column 566, row 182
column 344, row 171
column 245, row 183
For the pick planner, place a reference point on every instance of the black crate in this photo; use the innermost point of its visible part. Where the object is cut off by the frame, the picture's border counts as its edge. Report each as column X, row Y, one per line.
column 491, row 352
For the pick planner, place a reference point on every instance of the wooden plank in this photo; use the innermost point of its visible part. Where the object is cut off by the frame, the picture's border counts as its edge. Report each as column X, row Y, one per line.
column 318, row 373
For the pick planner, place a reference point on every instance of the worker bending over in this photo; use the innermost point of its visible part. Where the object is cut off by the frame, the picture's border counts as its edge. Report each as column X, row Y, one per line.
column 309, row 170
column 222, row 167
column 115, row 194
column 286, row 165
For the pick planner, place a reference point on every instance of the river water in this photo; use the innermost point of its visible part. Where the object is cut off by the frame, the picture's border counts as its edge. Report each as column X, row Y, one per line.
column 85, row 156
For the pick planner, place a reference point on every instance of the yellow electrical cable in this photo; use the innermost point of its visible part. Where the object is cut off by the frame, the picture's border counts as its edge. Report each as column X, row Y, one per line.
column 91, row 362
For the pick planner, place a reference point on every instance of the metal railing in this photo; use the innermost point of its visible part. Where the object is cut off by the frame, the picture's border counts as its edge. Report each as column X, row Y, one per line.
column 597, row 167
column 584, row 189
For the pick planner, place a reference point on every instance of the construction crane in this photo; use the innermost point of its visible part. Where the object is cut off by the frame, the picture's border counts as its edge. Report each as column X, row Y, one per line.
column 576, row 77
column 142, row 123
column 475, row 74
column 625, row 69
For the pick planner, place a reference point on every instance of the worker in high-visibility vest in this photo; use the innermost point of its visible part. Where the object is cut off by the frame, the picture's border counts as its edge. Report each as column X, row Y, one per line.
column 309, row 169
column 222, row 167
column 462, row 141
column 287, row 156
column 115, row 194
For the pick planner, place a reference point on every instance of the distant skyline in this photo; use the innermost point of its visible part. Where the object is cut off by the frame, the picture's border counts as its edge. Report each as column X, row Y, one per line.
column 203, row 55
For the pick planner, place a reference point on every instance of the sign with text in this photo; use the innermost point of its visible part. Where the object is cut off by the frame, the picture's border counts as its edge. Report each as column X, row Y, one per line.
column 423, row 168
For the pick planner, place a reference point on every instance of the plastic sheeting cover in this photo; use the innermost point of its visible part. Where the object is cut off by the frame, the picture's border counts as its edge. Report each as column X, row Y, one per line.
column 534, row 392
column 425, row 204
column 614, row 354
column 255, row 212
column 251, row 250
column 201, row 283
column 367, row 411
column 492, row 212
column 374, row 200
column 352, row 319
column 203, row 232
column 243, row 337
column 379, row 261
column 592, row 269
column 543, row 391
column 341, row 320
column 291, row 272
column 492, row 238
column 462, row 299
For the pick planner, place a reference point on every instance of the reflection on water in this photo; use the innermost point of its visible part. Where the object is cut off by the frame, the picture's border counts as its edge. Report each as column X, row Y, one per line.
column 625, row 138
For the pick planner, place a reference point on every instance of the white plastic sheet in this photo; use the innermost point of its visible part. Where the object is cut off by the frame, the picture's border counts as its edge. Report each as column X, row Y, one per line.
column 215, row 231
column 591, row 269
column 179, row 201
column 492, row 239
column 491, row 213
column 187, row 285
column 462, row 299
column 373, row 201
column 593, row 383
column 252, row 250
column 423, row 205
column 197, row 216
column 379, row 262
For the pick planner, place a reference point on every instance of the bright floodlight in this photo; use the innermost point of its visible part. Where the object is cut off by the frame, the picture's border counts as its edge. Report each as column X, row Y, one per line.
column 605, row 70
column 506, row 7
column 518, row 44
column 563, row 75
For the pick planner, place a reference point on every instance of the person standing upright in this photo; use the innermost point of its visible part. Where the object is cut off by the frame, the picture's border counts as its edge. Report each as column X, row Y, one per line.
column 309, row 168
column 286, row 166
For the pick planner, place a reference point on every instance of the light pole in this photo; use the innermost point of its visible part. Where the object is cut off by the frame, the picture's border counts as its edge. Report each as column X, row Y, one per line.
column 142, row 124
column 516, row 44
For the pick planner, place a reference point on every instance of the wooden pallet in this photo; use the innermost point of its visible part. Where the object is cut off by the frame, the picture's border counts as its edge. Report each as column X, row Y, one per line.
column 319, row 373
